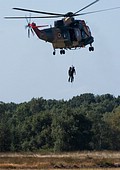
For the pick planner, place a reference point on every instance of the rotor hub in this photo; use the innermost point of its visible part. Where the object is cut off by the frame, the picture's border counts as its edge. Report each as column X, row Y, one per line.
column 69, row 14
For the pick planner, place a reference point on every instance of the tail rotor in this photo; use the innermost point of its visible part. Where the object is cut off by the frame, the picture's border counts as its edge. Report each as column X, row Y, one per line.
column 29, row 27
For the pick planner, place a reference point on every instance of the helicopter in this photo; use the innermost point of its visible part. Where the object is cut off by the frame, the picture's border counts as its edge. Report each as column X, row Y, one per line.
column 67, row 33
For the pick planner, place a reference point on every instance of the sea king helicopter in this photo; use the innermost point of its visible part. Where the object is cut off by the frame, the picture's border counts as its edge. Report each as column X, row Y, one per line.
column 67, row 33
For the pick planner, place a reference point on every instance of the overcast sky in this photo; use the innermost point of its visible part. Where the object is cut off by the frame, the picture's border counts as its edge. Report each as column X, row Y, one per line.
column 28, row 68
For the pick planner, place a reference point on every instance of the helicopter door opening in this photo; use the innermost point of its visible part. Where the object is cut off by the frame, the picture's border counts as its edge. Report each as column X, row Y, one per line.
column 72, row 35
column 78, row 34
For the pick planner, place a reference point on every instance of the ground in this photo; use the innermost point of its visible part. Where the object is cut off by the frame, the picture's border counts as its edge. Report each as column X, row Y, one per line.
column 74, row 160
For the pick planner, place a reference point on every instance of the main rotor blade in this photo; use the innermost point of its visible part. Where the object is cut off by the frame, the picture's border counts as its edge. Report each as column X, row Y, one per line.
column 85, row 7
column 32, row 17
column 103, row 10
column 39, row 12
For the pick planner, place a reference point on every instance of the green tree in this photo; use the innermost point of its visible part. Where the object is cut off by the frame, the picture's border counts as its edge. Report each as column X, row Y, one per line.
column 70, row 131
column 5, row 137
column 113, row 120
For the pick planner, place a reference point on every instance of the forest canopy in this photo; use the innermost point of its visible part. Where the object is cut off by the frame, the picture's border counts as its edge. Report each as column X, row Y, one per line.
column 85, row 122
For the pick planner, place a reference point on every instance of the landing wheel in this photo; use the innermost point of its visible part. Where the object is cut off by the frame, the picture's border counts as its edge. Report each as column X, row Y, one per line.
column 91, row 48
column 62, row 51
column 53, row 52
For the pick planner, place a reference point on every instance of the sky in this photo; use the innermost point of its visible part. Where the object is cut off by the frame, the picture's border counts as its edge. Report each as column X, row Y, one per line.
column 28, row 68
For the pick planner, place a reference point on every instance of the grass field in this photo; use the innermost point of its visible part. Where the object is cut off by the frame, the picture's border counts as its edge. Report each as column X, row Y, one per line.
column 77, row 160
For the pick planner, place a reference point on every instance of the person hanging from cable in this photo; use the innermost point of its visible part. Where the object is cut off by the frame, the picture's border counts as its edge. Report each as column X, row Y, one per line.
column 71, row 73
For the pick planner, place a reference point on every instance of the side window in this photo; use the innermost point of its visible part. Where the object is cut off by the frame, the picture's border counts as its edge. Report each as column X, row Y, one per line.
column 83, row 34
column 89, row 30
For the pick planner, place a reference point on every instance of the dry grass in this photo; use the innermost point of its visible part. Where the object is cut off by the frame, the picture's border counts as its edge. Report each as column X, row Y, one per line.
column 78, row 160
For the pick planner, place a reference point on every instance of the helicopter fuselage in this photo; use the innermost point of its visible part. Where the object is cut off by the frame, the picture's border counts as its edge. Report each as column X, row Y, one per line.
column 66, row 34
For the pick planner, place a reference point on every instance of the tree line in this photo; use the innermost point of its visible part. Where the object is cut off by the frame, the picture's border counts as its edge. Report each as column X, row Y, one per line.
column 85, row 122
